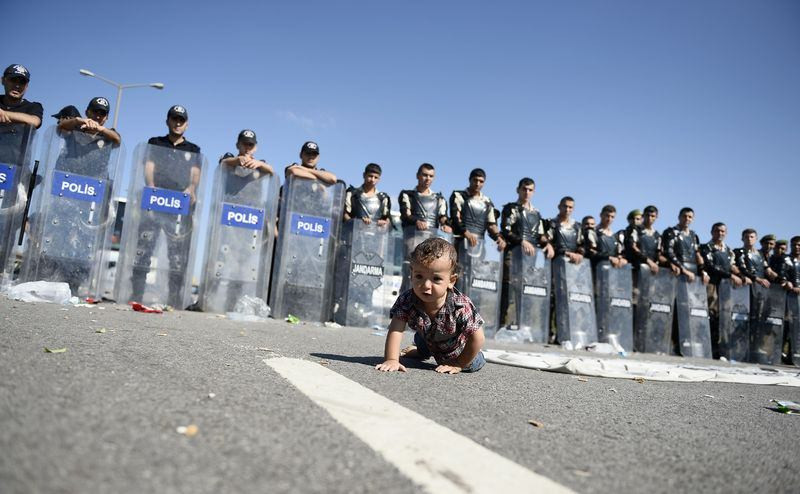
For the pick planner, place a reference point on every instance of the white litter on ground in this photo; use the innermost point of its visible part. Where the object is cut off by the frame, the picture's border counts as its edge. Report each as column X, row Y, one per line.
column 651, row 371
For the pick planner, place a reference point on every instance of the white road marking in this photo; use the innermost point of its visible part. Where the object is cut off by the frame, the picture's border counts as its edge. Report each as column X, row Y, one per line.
column 432, row 456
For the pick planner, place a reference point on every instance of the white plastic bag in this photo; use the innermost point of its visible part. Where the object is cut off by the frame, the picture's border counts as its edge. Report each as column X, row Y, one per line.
column 41, row 291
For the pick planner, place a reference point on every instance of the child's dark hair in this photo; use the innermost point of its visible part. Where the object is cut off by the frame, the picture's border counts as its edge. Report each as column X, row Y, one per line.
column 434, row 248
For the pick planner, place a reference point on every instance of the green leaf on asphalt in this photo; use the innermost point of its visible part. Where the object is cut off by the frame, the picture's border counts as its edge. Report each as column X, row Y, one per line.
column 101, row 330
column 292, row 319
column 54, row 350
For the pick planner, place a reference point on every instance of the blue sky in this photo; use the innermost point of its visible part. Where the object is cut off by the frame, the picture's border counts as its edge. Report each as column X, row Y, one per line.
column 623, row 102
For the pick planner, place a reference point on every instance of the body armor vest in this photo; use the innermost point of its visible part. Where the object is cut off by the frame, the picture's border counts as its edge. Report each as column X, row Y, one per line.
column 365, row 206
column 425, row 208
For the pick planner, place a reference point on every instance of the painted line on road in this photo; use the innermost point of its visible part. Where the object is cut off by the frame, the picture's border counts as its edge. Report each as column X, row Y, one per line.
column 432, row 456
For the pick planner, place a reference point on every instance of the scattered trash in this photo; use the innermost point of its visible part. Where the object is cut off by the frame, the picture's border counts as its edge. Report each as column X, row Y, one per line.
column 722, row 359
column 612, row 390
column 582, row 473
column 334, row 325
column 242, row 333
column 639, row 380
column 252, row 309
column 536, row 423
column 513, row 334
column 292, row 319
column 143, row 308
column 41, row 291
column 583, row 380
column 379, row 333
column 54, row 350
column 161, row 334
column 788, row 407
column 188, row 430
column 708, row 396
column 211, row 395
column 264, row 349
column 101, row 330
column 90, row 300
column 324, row 362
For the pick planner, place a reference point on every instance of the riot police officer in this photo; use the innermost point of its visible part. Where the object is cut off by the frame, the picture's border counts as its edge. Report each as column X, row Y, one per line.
column 681, row 247
column 719, row 264
column 472, row 213
column 367, row 202
column 173, row 173
column 422, row 208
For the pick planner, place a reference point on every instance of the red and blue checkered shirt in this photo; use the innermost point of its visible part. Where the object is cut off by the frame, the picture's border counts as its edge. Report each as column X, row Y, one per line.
column 446, row 335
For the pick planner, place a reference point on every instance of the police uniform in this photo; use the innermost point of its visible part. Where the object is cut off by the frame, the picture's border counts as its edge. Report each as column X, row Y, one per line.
column 359, row 205
column 517, row 223
column 681, row 247
column 474, row 214
column 175, row 173
column 565, row 238
column 601, row 246
column 430, row 208
column 88, row 155
column 242, row 186
column 15, row 139
column 718, row 263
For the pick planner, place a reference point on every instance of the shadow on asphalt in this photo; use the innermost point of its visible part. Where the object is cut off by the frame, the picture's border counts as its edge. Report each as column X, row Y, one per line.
column 372, row 361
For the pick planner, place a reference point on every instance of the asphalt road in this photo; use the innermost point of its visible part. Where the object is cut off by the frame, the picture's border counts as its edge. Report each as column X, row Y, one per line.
column 102, row 416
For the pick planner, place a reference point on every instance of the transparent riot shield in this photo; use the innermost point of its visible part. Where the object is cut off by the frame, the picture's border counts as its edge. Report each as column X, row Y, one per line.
column 793, row 317
column 364, row 254
column 239, row 249
column 767, row 331
column 734, row 321
column 16, row 164
column 575, row 314
column 694, row 330
column 530, row 292
column 411, row 238
column 653, row 318
column 70, row 224
column 481, row 280
column 614, row 305
column 159, row 240
column 302, row 277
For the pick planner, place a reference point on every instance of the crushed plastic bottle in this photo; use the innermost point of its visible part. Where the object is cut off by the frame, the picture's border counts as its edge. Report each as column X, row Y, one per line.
column 249, row 308
column 41, row 291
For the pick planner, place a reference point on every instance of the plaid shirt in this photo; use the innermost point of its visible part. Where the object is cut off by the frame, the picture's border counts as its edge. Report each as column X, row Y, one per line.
column 446, row 335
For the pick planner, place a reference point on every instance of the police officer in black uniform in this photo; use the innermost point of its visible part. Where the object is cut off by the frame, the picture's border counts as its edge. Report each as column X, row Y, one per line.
column 644, row 243
column 719, row 264
column 681, row 247
column 602, row 244
column 174, row 173
column 564, row 234
column 421, row 207
column 521, row 225
column 87, row 151
column 367, row 202
column 750, row 262
column 472, row 213
column 17, row 117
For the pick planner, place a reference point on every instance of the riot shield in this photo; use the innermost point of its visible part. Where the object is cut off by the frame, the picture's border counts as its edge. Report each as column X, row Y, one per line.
column 734, row 321
column 159, row 240
column 793, row 316
column 481, row 280
column 302, row 277
column 364, row 252
column 16, row 163
column 70, row 227
column 767, row 331
column 575, row 314
column 654, row 310
column 239, row 249
column 411, row 238
column 530, row 292
column 614, row 305
column 694, row 329
column 653, row 319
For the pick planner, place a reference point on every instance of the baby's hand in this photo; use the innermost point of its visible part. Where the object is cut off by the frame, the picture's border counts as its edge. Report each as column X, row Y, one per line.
column 448, row 369
column 391, row 366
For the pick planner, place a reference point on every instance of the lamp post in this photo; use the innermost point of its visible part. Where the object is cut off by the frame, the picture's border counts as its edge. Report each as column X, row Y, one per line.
column 120, row 87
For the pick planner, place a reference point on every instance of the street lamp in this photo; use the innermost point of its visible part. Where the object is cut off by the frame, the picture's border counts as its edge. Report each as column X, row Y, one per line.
column 120, row 87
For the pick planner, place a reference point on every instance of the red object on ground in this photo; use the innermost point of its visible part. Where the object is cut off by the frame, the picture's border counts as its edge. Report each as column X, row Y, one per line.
column 143, row 308
column 90, row 300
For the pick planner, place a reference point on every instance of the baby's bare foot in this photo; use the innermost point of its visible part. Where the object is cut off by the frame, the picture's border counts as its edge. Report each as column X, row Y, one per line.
column 409, row 351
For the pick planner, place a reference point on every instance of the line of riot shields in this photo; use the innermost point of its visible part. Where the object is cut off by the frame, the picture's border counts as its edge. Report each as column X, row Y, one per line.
column 288, row 246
